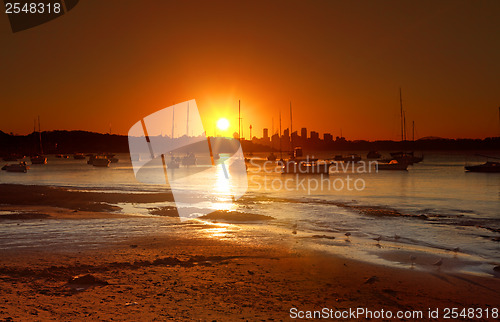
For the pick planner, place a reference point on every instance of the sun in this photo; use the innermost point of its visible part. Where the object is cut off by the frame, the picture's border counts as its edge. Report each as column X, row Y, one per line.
column 222, row 124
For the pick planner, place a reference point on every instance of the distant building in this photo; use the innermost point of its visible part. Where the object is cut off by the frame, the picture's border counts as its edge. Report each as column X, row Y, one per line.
column 265, row 134
column 314, row 136
column 327, row 137
column 303, row 133
column 275, row 141
column 286, row 133
column 295, row 138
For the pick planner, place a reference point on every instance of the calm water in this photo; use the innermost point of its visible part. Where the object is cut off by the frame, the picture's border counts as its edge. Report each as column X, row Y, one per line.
column 461, row 209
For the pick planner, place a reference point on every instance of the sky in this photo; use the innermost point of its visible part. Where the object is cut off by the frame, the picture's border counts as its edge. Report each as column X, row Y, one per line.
column 107, row 64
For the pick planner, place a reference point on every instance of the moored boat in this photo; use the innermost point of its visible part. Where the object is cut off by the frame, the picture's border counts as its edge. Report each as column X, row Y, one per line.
column 20, row 167
column 173, row 163
column 38, row 159
column 189, row 159
column 490, row 166
column 406, row 157
column 91, row 159
column 101, row 161
column 392, row 165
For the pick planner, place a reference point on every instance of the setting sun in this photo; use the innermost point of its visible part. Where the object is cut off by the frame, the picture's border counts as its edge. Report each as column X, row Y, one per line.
column 222, row 124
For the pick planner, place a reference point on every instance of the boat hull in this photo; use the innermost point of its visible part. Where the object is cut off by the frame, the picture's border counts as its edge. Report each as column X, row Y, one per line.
column 101, row 163
column 392, row 166
column 488, row 167
column 16, row 168
column 38, row 160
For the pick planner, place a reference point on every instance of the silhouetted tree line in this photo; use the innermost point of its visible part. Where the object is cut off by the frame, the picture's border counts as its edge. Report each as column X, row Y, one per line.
column 63, row 142
column 90, row 142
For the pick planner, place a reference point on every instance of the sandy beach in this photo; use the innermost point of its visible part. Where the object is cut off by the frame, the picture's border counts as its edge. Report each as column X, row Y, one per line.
column 201, row 279
column 160, row 277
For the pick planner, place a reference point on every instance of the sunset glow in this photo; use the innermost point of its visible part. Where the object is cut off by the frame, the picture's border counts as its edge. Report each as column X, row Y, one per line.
column 222, row 124
column 337, row 62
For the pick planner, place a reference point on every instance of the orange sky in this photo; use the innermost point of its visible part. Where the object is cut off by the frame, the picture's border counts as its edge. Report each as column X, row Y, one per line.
column 340, row 63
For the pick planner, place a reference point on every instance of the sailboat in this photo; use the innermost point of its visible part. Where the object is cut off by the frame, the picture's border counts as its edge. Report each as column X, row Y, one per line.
column 302, row 166
column 174, row 162
column 281, row 151
column 392, row 165
column 403, row 157
column 20, row 167
column 189, row 159
column 101, row 161
column 39, row 158
column 489, row 166
column 272, row 157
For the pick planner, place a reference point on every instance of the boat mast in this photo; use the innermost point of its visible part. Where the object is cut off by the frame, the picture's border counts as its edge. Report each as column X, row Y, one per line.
column 401, row 112
column 187, row 121
column 291, row 128
column 413, row 131
column 404, row 125
column 173, row 119
column 40, row 135
column 281, row 154
column 272, row 133
column 272, row 126
column 239, row 121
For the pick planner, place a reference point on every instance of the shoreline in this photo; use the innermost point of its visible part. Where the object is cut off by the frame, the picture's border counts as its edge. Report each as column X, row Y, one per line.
column 112, row 209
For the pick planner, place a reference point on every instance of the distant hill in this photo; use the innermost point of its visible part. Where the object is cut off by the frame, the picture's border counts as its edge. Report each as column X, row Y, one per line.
column 64, row 142
column 431, row 138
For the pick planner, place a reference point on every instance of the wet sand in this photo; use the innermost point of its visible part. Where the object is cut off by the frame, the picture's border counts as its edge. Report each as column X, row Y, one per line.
column 162, row 277
column 16, row 194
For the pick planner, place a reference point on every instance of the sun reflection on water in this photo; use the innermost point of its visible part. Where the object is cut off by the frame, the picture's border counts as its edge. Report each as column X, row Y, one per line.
column 223, row 195
column 222, row 230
